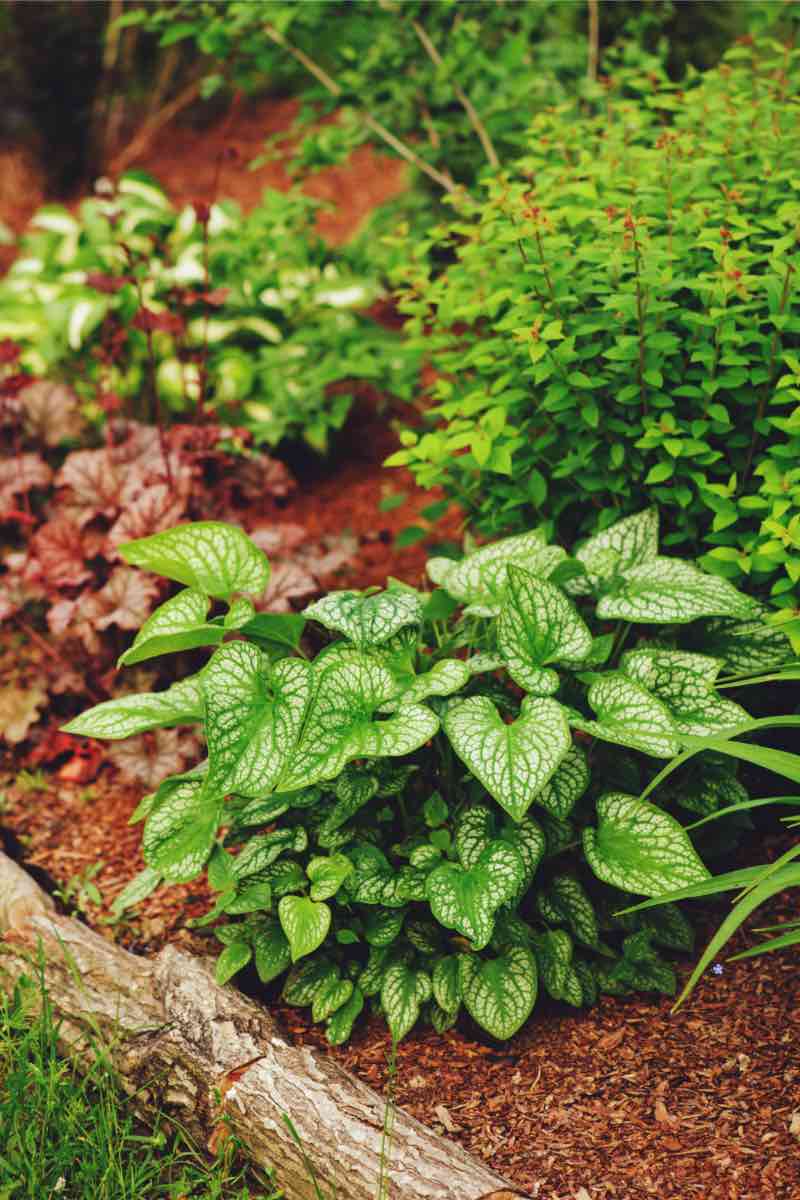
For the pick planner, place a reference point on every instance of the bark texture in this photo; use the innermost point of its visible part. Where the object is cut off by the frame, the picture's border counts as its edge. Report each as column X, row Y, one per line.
column 215, row 1059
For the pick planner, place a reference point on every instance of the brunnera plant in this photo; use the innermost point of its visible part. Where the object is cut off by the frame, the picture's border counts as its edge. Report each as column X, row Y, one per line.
column 439, row 808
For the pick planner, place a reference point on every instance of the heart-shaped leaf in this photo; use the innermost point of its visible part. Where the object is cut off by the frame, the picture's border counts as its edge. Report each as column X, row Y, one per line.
column 231, row 961
column 538, row 625
column 500, row 993
column 178, row 624
column 475, row 829
column 576, row 909
column 180, row 830
column 330, row 996
column 513, row 762
column 627, row 543
column 553, row 951
column 254, row 714
column 305, row 924
column 271, row 949
column 480, row 579
column 565, row 788
column 207, row 555
column 261, row 852
column 443, row 679
column 382, row 925
column 745, row 646
column 367, row 620
column 181, row 704
column 640, row 848
column 466, row 900
column 327, row 875
column 670, row 591
column 685, row 684
column 340, row 1025
column 628, row 715
column 446, row 980
column 403, row 993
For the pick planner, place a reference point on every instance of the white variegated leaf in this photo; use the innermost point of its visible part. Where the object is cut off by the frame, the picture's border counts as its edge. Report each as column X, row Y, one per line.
column 446, row 980
column 210, row 556
column 479, row 580
column 528, row 840
column 474, row 831
column 466, row 900
column 571, row 899
column 500, row 993
column 181, row 704
column 340, row 1025
column 625, row 544
column 367, row 620
column 684, row 682
column 553, row 951
column 403, row 993
column 538, row 625
column 180, row 830
column 254, row 714
column 270, row 949
column 566, row 787
column 628, row 715
column 443, row 679
column 513, row 762
column 177, row 624
column 305, row 923
column 746, row 645
column 670, row 591
column 640, row 848
column 329, row 998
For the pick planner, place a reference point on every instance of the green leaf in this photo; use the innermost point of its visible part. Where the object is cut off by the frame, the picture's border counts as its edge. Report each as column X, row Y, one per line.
column 746, row 646
column 668, row 590
column 626, row 544
column 327, row 875
column 367, row 620
column 340, row 724
column 403, row 993
column 180, row 831
column 305, row 924
column 261, row 852
column 340, row 1025
column 475, row 829
column 446, row 980
column 443, row 679
column 538, row 625
column 553, row 951
column 500, row 993
column 305, row 978
column 231, row 961
column 178, row 624
column 138, row 889
column 565, row 788
column 480, row 579
column 640, row 848
column 684, row 683
column 254, row 714
column 627, row 715
column 467, row 899
column 329, row 997
column 280, row 630
column 513, row 762
column 181, row 704
column 527, row 838
column 207, row 555
column 572, row 901
column 383, row 925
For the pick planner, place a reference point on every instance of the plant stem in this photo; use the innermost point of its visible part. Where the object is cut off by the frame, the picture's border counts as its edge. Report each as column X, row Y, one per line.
column 594, row 38
column 773, row 355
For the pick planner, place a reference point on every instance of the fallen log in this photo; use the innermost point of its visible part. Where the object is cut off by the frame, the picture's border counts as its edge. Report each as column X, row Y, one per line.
column 181, row 1044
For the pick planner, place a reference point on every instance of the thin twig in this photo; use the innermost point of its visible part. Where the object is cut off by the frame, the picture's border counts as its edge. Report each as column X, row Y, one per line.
column 335, row 89
column 594, row 38
column 142, row 140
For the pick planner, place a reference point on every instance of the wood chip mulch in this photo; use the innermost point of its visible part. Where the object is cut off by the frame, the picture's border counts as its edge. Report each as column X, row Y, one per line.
column 620, row 1102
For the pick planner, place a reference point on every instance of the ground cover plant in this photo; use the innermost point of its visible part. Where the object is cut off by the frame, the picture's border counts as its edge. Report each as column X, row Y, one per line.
column 617, row 323
column 440, row 807
column 160, row 314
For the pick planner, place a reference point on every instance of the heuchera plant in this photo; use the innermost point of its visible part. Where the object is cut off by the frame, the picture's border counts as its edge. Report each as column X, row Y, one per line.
column 439, row 809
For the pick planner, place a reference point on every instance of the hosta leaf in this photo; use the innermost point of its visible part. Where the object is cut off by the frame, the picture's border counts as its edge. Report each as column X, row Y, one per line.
column 271, row 950
column 538, row 625
column 367, row 620
column 553, row 951
column 305, row 924
column 340, row 1025
column 180, row 831
column 670, row 591
column 446, row 980
column 327, row 875
column 684, row 682
column 403, row 993
column 628, row 715
column 382, row 925
column 231, row 961
column 207, row 555
column 329, row 997
column 640, row 848
column 254, row 714
column 745, row 645
column 577, row 909
column 340, row 724
column 480, row 579
column 177, row 624
column 513, row 762
column 500, row 993
column 305, row 978
column 565, row 788
column 181, row 704
column 626, row 544
column 443, row 679
column 466, row 900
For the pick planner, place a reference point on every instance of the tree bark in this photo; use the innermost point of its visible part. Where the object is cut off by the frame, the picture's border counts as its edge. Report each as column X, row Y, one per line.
column 180, row 1043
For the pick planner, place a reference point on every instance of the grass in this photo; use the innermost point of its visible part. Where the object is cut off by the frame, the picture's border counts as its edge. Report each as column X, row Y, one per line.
column 65, row 1136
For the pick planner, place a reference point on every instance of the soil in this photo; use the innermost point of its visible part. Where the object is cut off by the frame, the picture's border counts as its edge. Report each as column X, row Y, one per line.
column 617, row 1103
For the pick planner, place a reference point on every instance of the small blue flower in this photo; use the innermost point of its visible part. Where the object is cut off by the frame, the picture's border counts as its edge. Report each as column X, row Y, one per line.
column 717, row 969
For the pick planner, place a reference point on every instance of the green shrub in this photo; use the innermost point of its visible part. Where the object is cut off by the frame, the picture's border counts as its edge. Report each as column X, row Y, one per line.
column 382, row 794
column 618, row 323
column 251, row 316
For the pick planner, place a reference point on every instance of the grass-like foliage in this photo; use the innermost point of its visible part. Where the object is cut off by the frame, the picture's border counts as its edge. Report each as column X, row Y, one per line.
column 440, row 808
column 62, row 1133
column 618, row 322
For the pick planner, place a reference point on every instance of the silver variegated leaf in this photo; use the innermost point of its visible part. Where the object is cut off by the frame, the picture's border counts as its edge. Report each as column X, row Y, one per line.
column 177, row 624
column 684, row 683
column 577, row 909
column 553, row 951
column 500, row 993
column 670, row 591
column 475, row 829
column 538, row 625
column 625, row 544
column 560, row 795
column 327, row 874
column 446, row 980
column 367, row 620
column 746, row 646
column 466, row 900
column 330, row 997
column 479, row 580
column 305, row 978
column 403, row 992
column 180, row 830
column 628, row 715
column 382, row 926
column 340, row 1025
column 254, row 715
column 640, row 848
column 181, row 704
column 210, row 556
column 443, row 679
column 513, row 762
